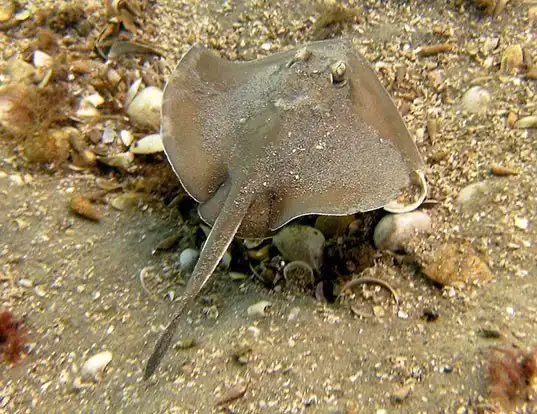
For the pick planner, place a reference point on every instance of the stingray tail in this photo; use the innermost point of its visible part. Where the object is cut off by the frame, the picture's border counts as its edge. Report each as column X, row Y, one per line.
column 220, row 237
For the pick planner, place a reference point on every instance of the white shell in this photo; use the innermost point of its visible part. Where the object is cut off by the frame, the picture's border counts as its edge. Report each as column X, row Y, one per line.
column 94, row 367
column 188, row 259
column 475, row 100
column 148, row 145
column 42, row 60
column 259, row 309
column 395, row 230
column 470, row 192
column 145, row 107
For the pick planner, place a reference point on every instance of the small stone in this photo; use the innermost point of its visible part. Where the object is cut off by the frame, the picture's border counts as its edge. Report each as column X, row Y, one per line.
column 394, row 231
column 145, row 107
column 188, row 259
column 522, row 223
column 7, row 10
column 400, row 394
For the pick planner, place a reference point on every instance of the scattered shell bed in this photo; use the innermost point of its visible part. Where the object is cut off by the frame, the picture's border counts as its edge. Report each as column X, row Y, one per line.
column 96, row 241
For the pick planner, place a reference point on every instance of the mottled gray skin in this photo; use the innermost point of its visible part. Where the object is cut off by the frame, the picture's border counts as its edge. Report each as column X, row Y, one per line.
column 260, row 143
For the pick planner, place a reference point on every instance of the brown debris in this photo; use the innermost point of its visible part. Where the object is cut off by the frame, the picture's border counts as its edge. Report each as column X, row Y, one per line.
column 455, row 264
column 11, row 337
column 433, row 50
column 512, row 373
column 332, row 14
column 501, row 171
column 84, row 208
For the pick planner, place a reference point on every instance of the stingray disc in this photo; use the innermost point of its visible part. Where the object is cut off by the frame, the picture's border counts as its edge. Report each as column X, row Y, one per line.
column 309, row 131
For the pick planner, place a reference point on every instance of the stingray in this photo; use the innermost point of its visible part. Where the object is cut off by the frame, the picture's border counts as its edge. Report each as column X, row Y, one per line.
column 260, row 143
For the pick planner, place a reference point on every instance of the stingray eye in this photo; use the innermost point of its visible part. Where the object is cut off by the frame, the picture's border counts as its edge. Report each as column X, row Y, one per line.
column 303, row 55
column 337, row 74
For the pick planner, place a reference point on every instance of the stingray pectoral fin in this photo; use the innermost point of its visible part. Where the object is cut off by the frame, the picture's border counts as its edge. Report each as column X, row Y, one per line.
column 220, row 237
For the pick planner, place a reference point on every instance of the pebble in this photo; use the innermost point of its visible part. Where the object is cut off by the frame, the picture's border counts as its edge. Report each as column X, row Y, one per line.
column 476, row 100
column 7, row 10
column 304, row 243
column 145, row 107
column 394, row 231
column 188, row 259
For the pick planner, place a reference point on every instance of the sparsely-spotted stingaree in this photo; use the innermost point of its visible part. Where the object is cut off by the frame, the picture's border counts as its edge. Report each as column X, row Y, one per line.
column 257, row 144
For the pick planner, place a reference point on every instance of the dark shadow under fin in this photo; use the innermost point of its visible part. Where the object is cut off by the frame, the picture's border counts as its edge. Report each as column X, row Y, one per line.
column 222, row 234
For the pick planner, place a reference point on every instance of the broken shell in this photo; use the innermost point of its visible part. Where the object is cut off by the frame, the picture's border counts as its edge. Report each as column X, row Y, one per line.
column 299, row 274
column 394, row 231
column 188, row 259
column 298, row 242
column 131, row 93
column 94, row 367
column 125, row 201
column 475, row 100
column 527, row 122
column 512, row 59
column 259, row 309
column 148, row 145
column 88, row 106
column 123, row 159
column 109, row 136
column 145, row 107
column 83, row 207
column 417, row 179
